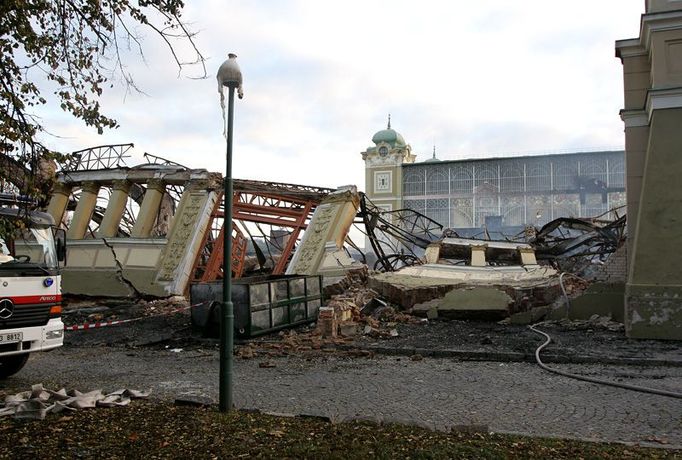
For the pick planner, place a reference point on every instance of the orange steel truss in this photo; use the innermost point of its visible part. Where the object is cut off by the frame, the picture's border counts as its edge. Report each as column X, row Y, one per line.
column 271, row 203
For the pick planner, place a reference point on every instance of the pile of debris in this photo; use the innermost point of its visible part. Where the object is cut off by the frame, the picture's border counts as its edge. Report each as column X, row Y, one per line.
column 78, row 310
column 352, row 310
column 358, row 309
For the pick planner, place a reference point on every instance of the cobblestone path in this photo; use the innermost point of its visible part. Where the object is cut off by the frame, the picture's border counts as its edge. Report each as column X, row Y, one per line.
column 435, row 393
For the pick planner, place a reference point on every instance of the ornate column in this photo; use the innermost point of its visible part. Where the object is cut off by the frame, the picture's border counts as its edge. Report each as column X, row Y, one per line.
column 59, row 200
column 84, row 209
column 321, row 249
column 117, row 204
column 149, row 209
column 187, row 231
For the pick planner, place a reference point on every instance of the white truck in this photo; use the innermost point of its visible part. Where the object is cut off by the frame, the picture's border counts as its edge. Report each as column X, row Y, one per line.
column 31, row 249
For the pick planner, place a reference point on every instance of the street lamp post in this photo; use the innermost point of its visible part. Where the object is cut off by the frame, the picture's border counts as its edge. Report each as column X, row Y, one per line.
column 228, row 75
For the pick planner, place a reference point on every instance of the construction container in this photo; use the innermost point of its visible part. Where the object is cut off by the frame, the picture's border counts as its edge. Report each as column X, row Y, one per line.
column 262, row 304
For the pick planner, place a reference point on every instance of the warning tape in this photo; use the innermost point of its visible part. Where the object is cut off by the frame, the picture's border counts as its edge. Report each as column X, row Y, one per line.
column 99, row 324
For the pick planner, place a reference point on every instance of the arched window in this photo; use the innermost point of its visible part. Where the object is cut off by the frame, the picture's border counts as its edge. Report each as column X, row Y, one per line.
column 487, row 174
column 461, row 180
column 437, row 182
column 413, row 184
column 537, row 177
column 512, row 179
column 566, row 175
column 594, row 169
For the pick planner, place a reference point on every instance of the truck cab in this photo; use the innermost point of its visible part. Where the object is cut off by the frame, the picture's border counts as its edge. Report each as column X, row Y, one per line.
column 31, row 249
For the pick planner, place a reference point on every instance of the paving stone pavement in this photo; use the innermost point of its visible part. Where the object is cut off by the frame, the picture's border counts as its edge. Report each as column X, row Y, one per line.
column 435, row 393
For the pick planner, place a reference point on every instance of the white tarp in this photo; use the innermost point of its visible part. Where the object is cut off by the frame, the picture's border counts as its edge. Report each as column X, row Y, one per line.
column 38, row 402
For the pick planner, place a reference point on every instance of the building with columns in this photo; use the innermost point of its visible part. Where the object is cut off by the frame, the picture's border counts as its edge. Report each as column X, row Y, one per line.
column 652, row 114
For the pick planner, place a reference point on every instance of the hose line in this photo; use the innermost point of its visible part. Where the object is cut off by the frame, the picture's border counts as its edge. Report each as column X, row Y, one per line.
column 654, row 391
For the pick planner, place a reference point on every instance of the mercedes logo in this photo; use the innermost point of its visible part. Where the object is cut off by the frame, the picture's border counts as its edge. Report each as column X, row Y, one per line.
column 6, row 308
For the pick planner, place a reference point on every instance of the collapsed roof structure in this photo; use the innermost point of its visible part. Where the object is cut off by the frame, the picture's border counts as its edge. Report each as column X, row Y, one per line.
column 155, row 228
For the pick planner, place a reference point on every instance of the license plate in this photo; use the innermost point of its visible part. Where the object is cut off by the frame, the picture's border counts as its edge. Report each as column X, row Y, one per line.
column 11, row 337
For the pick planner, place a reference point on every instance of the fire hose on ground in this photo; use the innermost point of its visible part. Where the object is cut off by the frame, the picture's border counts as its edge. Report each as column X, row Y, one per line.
column 626, row 386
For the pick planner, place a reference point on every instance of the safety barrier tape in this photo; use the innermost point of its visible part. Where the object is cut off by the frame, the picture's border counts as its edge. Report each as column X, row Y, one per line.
column 99, row 324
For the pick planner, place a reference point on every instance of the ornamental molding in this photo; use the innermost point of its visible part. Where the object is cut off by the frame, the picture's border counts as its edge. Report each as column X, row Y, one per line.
column 660, row 99
column 634, row 118
column 629, row 48
column 651, row 23
column 659, row 22
column 374, row 161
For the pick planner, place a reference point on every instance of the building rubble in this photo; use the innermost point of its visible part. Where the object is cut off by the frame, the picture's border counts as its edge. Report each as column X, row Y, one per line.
column 155, row 230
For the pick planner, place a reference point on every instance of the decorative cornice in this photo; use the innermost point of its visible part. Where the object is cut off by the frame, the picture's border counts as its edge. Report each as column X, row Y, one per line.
column 660, row 99
column 634, row 118
column 631, row 47
column 658, row 22
column 650, row 23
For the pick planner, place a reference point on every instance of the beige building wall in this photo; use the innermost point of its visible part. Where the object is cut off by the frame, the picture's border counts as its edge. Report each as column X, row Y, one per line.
column 383, row 169
column 652, row 114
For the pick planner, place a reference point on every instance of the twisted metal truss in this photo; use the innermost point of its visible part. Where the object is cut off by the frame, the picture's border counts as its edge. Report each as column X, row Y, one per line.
column 394, row 235
column 156, row 160
column 100, row 157
column 255, row 203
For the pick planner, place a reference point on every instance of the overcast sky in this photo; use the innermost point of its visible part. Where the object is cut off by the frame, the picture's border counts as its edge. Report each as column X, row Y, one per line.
column 476, row 78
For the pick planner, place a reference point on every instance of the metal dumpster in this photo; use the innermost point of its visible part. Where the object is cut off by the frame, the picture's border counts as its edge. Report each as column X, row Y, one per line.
column 262, row 304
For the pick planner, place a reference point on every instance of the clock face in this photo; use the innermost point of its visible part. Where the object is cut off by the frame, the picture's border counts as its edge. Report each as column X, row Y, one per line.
column 382, row 182
column 383, row 150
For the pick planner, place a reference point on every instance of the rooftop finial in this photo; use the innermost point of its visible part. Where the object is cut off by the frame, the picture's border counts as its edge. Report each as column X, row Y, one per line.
column 434, row 151
column 389, row 121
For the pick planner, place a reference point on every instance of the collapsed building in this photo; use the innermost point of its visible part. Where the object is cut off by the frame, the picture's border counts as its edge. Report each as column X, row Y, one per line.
column 156, row 230
column 152, row 229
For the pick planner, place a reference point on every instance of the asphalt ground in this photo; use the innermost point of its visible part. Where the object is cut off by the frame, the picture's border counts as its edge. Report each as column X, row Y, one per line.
column 433, row 374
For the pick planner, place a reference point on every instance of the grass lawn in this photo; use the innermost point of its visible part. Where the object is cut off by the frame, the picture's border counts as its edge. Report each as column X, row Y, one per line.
column 149, row 429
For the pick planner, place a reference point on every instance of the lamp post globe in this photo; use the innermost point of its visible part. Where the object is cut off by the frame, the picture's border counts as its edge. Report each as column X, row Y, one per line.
column 230, row 75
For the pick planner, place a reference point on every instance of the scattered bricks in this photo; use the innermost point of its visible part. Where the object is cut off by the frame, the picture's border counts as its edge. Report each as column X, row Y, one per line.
column 246, row 352
column 349, row 329
column 372, row 305
column 354, row 279
column 416, row 357
column 266, row 365
column 343, row 307
column 369, row 321
column 326, row 322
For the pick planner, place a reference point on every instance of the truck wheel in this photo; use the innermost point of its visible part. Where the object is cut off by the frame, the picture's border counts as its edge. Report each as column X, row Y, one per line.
column 10, row 365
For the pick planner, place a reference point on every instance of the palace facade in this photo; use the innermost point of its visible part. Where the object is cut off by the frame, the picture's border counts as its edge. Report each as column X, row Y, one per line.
column 494, row 193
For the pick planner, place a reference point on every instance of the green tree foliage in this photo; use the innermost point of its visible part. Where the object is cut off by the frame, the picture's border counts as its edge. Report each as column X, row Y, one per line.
column 73, row 49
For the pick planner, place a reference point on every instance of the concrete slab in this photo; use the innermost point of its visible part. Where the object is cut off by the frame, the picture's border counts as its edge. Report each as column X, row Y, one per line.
column 475, row 303
column 413, row 286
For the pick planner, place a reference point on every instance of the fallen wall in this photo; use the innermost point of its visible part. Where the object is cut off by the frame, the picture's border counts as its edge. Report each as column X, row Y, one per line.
column 143, row 264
